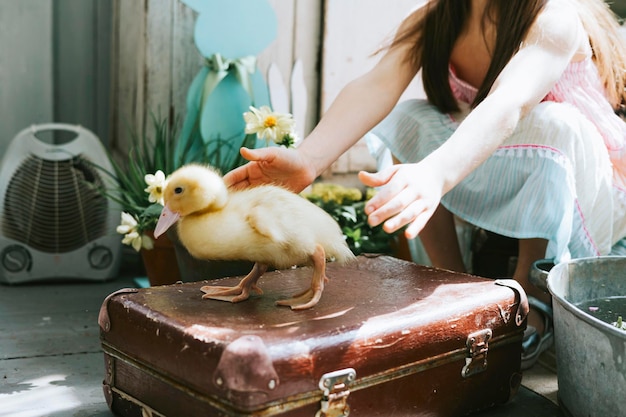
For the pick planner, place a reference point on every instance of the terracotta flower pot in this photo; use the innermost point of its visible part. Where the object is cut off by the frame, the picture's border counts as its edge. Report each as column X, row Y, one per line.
column 160, row 262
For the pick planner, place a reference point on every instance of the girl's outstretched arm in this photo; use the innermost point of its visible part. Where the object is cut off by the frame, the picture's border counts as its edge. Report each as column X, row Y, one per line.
column 411, row 192
column 360, row 106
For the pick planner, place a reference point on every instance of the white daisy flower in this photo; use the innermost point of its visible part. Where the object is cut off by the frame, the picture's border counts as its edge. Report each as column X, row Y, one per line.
column 156, row 184
column 128, row 224
column 128, row 228
column 267, row 124
column 132, row 239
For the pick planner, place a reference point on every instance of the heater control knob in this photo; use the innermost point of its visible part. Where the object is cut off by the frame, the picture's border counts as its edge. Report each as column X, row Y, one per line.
column 16, row 258
column 100, row 257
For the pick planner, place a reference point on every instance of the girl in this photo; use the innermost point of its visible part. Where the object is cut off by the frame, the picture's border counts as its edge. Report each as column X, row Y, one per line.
column 518, row 135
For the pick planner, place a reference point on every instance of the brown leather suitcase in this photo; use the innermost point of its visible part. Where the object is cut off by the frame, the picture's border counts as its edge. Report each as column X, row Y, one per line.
column 388, row 338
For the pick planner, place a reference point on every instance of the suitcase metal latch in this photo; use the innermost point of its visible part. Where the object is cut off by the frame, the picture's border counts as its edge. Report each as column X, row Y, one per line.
column 336, row 388
column 478, row 347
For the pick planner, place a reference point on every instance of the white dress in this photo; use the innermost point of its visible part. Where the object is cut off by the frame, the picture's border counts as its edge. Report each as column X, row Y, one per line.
column 560, row 176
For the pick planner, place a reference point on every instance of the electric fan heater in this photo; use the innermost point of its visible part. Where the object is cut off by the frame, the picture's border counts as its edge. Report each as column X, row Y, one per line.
column 55, row 221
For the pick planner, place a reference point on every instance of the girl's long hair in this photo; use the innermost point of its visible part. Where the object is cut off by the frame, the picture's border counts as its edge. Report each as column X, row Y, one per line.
column 434, row 34
column 608, row 42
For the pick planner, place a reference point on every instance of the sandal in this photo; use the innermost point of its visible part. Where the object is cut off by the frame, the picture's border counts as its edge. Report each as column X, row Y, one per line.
column 534, row 344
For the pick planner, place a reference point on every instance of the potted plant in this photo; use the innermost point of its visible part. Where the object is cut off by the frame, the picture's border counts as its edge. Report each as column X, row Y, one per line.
column 347, row 206
column 139, row 181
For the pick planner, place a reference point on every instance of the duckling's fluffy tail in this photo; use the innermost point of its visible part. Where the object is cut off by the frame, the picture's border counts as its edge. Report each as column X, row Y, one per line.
column 340, row 253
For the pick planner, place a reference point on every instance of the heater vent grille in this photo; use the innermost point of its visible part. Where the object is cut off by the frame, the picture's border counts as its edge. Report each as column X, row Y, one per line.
column 55, row 206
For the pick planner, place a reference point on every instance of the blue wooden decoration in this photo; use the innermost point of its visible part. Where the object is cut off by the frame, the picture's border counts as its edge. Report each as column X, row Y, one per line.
column 229, row 34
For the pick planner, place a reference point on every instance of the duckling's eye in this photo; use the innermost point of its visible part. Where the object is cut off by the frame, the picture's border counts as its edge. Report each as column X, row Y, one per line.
column 178, row 190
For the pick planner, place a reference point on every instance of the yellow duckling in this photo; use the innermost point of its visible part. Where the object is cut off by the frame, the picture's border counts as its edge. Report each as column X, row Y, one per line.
column 268, row 225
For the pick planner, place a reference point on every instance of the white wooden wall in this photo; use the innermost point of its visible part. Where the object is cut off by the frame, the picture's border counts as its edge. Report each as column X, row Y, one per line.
column 155, row 58
column 26, row 84
column 54, row 62
column 354, row 30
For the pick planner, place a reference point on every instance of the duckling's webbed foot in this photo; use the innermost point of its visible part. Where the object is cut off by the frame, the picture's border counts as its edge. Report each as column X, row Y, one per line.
column 241, row 291
column 311, row 296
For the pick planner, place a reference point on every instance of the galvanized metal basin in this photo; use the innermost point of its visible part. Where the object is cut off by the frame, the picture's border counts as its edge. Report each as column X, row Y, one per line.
column 591, row 354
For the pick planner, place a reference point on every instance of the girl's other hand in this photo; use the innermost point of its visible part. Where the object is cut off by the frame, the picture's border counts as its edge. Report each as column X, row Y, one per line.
column 408, row 196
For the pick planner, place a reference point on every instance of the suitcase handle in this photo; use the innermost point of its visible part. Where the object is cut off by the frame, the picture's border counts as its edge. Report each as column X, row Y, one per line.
column 523, row 308
column 103, row 316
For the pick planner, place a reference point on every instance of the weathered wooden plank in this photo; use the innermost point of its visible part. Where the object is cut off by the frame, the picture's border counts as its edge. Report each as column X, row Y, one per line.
column 129, row 71
column 102, row 105
column 299, row 98
column 307, row 46
column 75, row 92
column 279, row 96
column 154, row 61
column 51, row 362
column 60, row 386
column 60, row 319
column 280, row 52
column 56, row 334
column 158, row 65
column 186, row 59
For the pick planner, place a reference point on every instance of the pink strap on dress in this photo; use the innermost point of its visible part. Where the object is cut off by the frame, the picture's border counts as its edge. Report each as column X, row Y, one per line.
column 580, row 86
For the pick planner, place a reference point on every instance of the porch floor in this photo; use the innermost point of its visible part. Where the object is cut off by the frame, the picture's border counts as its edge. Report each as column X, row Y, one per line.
column 51, row 363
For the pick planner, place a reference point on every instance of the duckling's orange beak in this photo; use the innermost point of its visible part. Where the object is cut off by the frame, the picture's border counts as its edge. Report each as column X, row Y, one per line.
column 166, row 220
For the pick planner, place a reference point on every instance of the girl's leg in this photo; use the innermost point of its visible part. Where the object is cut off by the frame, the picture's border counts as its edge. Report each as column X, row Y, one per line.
column 440, row 241
column 531, row 250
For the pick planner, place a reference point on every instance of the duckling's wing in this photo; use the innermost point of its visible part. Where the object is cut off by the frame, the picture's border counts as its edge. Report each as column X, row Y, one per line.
column 266, row 224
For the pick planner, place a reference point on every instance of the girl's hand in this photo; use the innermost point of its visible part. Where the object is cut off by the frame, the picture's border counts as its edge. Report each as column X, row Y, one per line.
column 409, row 196
column 273, row 165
